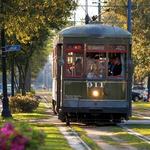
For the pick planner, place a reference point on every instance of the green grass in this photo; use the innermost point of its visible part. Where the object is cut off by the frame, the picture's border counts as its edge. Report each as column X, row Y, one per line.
column 86, row 139
column 110, row 140
column 140, row 108
column 39, row 113
column 143, row 129
column 54, row 139
column 141, row 105
column 134, row 141
column 130, row 139
column 134, row 117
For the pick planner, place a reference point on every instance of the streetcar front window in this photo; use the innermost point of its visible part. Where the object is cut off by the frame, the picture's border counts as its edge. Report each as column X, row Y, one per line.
column 95, row 65
column 116, row 65
column 106, row 62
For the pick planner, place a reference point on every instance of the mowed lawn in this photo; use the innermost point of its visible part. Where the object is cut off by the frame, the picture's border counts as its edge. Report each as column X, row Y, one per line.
column 140, row 110
column 54, row 139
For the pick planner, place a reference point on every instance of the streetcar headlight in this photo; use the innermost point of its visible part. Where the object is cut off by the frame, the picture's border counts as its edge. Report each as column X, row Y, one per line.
column 95, row 93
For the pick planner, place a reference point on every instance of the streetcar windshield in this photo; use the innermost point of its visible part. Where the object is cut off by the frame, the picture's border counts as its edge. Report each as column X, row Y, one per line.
column 99, row 62
column 105, row 65
column 95, row 65
column 105, row 62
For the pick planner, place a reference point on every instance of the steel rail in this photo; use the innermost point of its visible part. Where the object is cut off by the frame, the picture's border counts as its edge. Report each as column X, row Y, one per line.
column 132, row 132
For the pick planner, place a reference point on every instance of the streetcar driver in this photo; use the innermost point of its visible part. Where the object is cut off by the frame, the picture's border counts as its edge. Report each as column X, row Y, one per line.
column 78, row 67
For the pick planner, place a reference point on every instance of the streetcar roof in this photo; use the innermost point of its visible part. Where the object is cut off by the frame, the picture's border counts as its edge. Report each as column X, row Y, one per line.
column 95, row 30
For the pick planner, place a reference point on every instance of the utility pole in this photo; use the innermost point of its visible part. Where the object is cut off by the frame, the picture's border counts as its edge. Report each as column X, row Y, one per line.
column 99, row 10
column 129, row 23
column 87, row 18
column 5, row 103
column 86, row 7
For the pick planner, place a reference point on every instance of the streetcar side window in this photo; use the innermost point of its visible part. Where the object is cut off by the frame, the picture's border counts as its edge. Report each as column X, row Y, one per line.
column 74, row 65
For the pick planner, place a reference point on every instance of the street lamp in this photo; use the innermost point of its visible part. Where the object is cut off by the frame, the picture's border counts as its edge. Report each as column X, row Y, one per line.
column 5, row 103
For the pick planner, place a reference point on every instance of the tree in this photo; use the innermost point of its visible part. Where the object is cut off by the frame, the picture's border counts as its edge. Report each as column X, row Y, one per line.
column 141, row 38
column 28, row 23
column 140, row 31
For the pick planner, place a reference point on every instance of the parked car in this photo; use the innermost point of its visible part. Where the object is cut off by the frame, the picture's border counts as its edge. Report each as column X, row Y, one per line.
column 138, row 89
column 136, row 96
column 145, row 95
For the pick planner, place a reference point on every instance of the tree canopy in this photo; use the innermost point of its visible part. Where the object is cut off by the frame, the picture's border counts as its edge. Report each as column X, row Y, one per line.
column 140, row 30
column 31, row 24
column 24, row 18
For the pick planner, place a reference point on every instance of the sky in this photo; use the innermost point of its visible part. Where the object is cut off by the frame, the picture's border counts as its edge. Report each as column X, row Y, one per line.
column 80, row 12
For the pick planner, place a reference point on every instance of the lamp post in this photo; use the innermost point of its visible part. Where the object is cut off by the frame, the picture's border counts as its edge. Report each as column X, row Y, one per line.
column 5, row 103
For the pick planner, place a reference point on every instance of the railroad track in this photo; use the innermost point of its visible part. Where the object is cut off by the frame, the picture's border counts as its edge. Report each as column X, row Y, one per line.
column 76, row 142
column 73, row 138
column 132, row 132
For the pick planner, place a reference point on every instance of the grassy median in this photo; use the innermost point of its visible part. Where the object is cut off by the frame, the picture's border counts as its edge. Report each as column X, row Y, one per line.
column 54, row 139
column 124, row 136
column 140, row 110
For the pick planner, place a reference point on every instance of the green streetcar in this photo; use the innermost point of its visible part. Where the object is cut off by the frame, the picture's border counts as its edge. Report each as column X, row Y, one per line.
column 92, row 74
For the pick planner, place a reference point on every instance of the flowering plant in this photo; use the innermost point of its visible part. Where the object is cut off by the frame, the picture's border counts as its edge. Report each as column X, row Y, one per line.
column 11, row 139
column 20, row 137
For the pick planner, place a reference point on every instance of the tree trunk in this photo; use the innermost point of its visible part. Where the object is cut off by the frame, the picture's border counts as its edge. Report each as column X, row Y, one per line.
column 148, row 86
column 28, row 79
column 21, row 88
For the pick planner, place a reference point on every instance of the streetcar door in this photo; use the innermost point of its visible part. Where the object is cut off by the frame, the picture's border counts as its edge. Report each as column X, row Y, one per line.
column 59, row 73
column 56, row 87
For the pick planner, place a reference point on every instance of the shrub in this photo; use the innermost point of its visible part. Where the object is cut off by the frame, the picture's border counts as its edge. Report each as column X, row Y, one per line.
column 21, row 137
column 21, row 103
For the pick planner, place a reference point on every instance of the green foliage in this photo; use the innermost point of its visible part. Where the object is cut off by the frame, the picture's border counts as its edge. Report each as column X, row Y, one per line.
column 26, row 103
column 31, row 24
column 25, row 18
column 35, row 136
column 20, row 135
column 115, row 13
column 141, row 38
column 140, row 31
